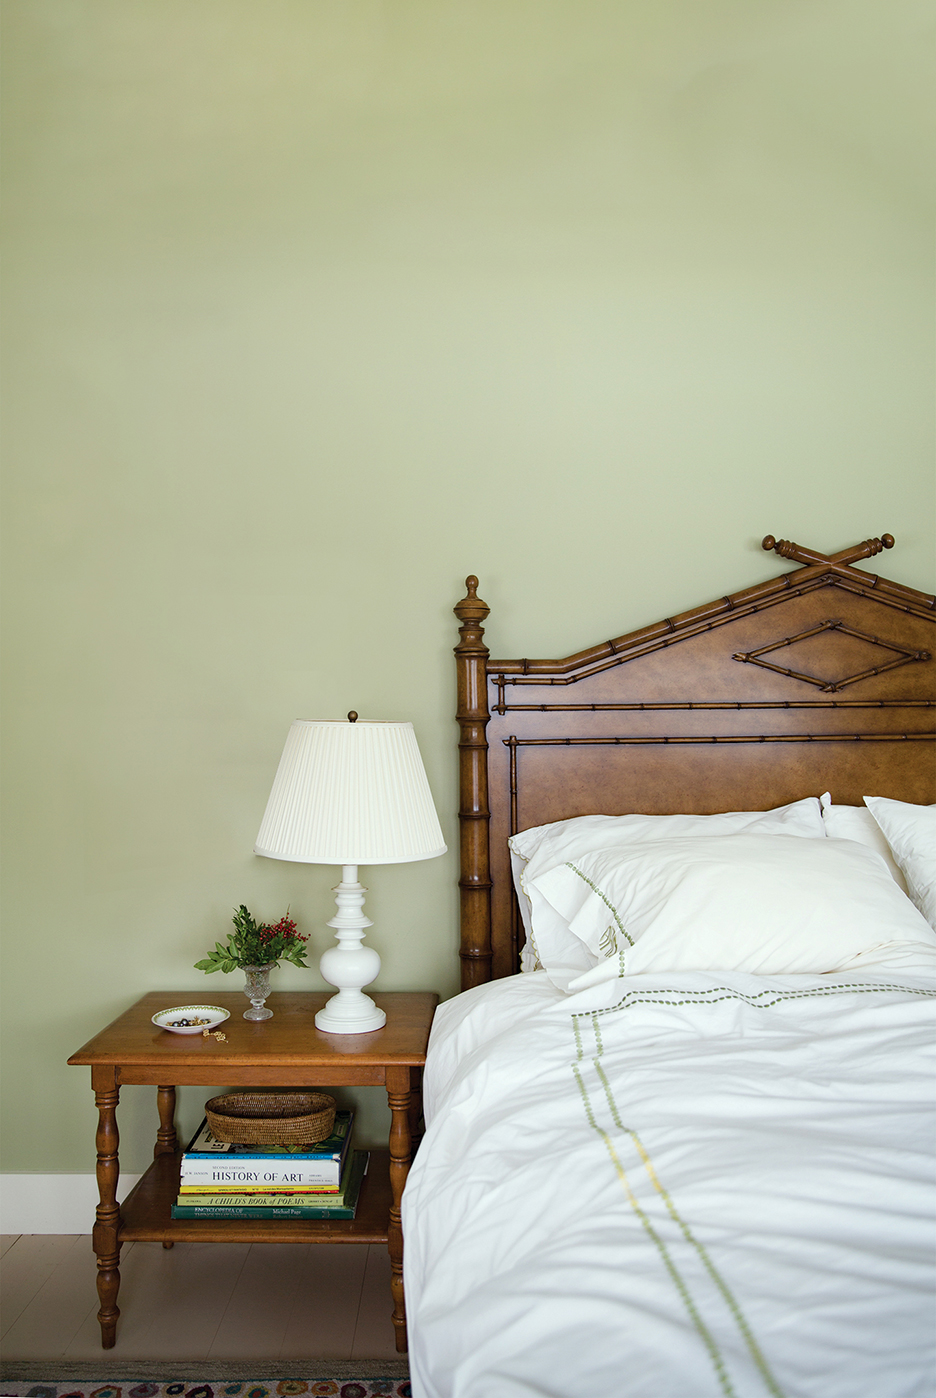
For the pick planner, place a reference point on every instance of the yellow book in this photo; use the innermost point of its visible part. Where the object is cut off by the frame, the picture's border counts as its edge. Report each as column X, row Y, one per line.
column 299, row 1191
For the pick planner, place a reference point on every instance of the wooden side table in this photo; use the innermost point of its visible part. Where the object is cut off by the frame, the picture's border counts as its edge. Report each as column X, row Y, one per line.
column 285, row 1051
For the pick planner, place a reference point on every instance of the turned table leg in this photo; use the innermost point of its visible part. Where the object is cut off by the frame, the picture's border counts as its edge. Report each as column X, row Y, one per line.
column 399, row 1098
column 166, row 1142
column 417, row 1125
column 166, row 1135
column 106, row 1238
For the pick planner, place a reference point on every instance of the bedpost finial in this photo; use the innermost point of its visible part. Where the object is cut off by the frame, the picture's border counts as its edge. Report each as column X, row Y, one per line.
column 768, row 543
column 887, row 540
column 471, row 612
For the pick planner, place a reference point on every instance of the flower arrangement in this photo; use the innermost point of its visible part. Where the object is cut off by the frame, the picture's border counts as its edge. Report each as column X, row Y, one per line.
column 256, row 944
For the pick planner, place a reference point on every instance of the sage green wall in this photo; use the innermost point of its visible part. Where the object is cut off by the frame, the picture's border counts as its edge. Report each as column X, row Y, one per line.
column 315, row 306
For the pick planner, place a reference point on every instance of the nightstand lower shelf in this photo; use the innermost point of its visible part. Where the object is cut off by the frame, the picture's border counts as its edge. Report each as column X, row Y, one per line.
column 145, row 1213
column 287, row 1050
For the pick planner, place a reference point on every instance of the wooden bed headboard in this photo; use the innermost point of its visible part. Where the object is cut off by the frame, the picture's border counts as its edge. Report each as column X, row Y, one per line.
column 821, row 679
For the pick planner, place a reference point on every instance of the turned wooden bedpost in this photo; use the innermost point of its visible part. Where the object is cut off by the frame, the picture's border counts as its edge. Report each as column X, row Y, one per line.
column 474, row 814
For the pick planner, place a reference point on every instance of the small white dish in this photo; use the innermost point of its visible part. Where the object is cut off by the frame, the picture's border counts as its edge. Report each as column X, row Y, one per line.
column 191, row 1019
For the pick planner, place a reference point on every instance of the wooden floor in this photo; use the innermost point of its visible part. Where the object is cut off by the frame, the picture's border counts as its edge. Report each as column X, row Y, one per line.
column 196, row 1301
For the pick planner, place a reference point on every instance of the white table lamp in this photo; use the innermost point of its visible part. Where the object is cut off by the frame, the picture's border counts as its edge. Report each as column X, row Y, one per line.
column 350, row 793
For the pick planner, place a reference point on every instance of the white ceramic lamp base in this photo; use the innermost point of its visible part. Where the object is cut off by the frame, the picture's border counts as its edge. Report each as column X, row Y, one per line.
column 350, row 965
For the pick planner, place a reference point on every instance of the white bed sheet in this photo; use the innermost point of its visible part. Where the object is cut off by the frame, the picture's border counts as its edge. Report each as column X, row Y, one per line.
column 674, row 1187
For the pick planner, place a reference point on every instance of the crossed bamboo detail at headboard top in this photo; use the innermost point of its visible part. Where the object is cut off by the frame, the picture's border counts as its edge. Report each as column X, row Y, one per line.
column 818, row 571
column 782, row 729
column 867, row 549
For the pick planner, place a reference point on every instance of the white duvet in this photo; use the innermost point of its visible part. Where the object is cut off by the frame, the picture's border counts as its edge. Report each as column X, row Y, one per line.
column 674, row 1187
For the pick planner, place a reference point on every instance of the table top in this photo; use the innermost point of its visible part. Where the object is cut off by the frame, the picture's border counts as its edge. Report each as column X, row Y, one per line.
column 290, row 1038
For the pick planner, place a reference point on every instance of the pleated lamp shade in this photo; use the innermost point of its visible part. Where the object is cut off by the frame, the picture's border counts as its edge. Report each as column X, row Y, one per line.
column 350, row 793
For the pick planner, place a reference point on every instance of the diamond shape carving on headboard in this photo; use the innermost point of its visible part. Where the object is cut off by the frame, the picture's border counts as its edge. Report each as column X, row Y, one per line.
column 900, row 656
column 894, row 655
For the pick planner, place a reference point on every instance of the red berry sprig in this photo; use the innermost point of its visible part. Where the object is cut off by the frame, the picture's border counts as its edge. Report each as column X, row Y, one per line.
column 253, row 944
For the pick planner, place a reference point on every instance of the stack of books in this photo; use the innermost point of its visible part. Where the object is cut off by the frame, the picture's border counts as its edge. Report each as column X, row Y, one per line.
column 224, row 1180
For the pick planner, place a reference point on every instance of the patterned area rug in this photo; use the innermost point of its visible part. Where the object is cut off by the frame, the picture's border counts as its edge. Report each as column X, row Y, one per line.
column 251, row 1388
column 142, row 1378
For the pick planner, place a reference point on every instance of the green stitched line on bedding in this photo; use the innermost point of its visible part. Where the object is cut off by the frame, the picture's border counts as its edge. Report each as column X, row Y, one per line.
column 712, row 995
column 753, row 1347
column 760, row 1001
column 579, row 1054
column 606, row 900
column 705, row 1334
column 597, row 1032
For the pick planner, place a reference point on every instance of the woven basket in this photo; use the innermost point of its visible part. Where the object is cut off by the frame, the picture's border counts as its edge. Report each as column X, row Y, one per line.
column 271, row 1118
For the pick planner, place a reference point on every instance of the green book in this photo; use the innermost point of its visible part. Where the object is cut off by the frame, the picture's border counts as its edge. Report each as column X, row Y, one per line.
column 342, row 1205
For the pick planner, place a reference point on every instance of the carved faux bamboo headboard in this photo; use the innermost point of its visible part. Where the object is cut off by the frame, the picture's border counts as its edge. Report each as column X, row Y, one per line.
column 821, row 679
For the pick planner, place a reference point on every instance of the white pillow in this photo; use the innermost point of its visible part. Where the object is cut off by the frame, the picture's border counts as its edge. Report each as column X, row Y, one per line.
column 529, row 960
column 858, row 824
column 768, row 905
column 543, row 847
column 911, row 833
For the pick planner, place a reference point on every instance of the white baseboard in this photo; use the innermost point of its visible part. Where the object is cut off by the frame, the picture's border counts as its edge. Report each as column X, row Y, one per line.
column 52, row 1203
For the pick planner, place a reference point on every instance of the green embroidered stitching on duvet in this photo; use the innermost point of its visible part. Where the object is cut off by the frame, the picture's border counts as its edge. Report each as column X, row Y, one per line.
column 761, row 1001
column 713, row 995
column 705, row 1334
column 753, row 1347
column 679, row 1281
